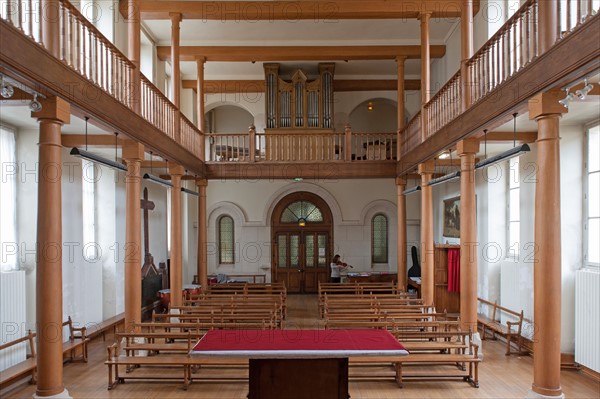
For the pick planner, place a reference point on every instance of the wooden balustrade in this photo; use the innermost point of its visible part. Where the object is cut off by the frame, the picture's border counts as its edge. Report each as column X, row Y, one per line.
column 444, row 106
column 410, row 136
column 300, row 147
column 573, row 13
column 190, row 136
column 157, row 109
column 229, row 147
column 374, row 146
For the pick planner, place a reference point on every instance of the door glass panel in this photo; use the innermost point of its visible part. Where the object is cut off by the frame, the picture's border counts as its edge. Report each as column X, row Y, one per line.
column 294, row 251
column 310, row 250
column 282, row 250
column 322, row 248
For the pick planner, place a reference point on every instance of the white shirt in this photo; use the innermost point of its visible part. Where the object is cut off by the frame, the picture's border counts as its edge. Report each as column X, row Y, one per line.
column 335, row 269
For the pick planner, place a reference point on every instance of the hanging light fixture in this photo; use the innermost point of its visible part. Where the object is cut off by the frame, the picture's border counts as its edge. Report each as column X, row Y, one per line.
column 156, row 179
column 445, row 178
column 411, row 190
column 188, row 191
column 90, row 156
column 513, row 152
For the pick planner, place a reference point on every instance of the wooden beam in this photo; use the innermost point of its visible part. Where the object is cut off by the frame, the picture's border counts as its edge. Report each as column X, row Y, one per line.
column 576, row 55
column 258, row 86
column 522, row 137
column 297, row 53
column 94, row 140
column 161, row 165
column 331, row 10
column 305, row 170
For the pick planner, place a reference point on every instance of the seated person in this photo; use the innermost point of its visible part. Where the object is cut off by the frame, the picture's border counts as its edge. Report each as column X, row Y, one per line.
column 337, row 266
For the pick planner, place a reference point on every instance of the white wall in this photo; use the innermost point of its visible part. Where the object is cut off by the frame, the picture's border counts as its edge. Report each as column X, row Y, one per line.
column 351, row 205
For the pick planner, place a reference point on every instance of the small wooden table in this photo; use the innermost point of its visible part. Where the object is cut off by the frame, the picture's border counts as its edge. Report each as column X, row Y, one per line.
column 298, row 363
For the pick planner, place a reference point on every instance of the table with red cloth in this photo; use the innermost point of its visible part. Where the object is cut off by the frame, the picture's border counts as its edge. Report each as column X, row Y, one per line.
column 298, row 363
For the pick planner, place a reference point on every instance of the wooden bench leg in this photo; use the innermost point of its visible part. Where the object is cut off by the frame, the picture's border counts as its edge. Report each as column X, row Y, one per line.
column 399, row 374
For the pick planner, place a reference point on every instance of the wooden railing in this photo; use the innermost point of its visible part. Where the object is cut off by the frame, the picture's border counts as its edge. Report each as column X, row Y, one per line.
column 410, row 137
column 301, row 147
column 157, row 109
column 444, row 106
column 190, row 137
column 506, row 53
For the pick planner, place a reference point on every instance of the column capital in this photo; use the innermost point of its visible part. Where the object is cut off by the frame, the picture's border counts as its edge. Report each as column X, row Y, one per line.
column 132, row 151
column 424, row 16
column 201, row 182
column 401, row 180
column 467, row 147
column 54, row 108
column 401, row 59
column 427, row 167
column 176, row 17
column 200, row 60
column 546, row 103
column 175, row 169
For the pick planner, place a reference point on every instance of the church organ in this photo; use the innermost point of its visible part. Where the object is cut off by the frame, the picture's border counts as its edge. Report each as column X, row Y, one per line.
column 299, row 103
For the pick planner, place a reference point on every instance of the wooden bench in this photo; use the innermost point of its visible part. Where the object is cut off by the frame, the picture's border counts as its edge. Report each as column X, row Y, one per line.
column 185, row 362
column 95, row 329
column 78, row 339
column 511, row 330
column 435, row 359
column 25, row 368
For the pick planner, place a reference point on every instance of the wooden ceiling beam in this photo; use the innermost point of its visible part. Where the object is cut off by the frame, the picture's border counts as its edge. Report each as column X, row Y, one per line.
column 297, row 53
column 522, row 137
column 305, row 170
column 258, row 86
column 94, row 140
column 326, row 11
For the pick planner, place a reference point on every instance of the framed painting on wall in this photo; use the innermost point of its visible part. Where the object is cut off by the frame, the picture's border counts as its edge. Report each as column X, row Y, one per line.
column 452, row 217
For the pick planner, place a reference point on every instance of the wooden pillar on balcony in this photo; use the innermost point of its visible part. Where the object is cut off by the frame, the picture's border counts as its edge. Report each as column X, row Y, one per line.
column 49, row 289
column 401, row 92
column 466, row 150
column 348, row 143
column 400, row 187
column 466, row 35
column 133, row 52
column 176, row 71
column 546, row 110
column 133, row 155
column 426, row 171
column 51, row 26
column 252, row 143
column 176, row 272
column 200, row 61
column 547, row 25
column 425, row 70
column 202, row 234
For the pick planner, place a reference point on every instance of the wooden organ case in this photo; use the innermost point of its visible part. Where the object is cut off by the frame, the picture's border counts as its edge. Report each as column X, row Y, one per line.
column 299, row 103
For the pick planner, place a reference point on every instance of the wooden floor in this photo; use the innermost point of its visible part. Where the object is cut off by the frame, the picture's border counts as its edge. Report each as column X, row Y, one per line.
column 500, row 376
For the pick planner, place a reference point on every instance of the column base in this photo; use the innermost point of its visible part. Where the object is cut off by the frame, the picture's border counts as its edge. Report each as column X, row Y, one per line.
column 63, row 395
column 531, row 394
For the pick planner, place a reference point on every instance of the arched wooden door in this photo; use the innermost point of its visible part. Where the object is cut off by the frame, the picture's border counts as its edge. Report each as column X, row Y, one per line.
column 302, row 237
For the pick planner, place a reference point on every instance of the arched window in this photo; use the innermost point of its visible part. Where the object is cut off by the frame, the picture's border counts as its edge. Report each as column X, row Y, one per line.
column 379, row 239
column 226, row 240
column 302, row 212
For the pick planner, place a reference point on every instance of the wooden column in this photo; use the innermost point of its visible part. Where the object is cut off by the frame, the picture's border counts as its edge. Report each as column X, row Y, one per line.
column 200, row 61
column 546, row 110
column 548, row 21
column 202, row 233
column 175, row 74
column 401, row 92
column 133, row 51
column 425, row 70
column 176, row 272
column 133, row 154
column 400, row 187
column 426, row 171
column 466, row 35
column 49, row 288
column 466, row 150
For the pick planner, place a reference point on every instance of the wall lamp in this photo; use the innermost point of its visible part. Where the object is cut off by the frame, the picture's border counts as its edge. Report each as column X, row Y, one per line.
column 581, row 93
column 7, row 90
column 90, row 156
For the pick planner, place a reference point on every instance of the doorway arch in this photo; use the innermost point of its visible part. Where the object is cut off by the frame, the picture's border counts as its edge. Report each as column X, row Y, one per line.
column 302, row 237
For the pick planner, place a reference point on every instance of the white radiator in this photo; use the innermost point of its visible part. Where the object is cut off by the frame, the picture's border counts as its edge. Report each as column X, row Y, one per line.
column 12, row 316
column 587, row 319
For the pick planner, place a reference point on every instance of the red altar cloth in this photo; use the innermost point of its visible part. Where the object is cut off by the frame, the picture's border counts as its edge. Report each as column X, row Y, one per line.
column 453, row 270
column 298, row 343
